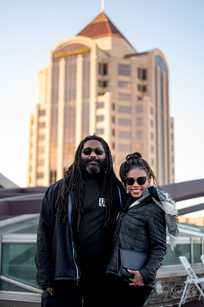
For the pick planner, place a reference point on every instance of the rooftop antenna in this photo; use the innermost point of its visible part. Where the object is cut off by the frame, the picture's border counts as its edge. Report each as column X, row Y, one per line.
column 102, row 5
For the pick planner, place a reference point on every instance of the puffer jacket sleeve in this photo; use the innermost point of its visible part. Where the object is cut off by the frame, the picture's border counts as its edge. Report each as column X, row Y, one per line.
column 43, row 252
column 157, row 238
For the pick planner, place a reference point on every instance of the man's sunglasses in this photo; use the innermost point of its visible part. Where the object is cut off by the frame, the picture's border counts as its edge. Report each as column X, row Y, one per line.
column 98, row 151
column 131, row 180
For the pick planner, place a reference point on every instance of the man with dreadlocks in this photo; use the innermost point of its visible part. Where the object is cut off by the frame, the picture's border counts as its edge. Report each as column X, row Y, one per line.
column 75, row 230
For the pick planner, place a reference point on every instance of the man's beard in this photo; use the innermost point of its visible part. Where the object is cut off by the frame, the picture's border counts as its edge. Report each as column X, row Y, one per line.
column 93, row 169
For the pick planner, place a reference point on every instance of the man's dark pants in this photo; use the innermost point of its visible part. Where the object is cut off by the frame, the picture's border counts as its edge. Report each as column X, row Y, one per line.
column 96, row 288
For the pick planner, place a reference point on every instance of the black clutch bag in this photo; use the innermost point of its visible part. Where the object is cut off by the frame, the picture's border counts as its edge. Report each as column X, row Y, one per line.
column 132, row 260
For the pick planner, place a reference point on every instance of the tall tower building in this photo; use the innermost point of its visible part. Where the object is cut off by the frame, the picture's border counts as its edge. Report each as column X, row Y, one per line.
column 96, row 82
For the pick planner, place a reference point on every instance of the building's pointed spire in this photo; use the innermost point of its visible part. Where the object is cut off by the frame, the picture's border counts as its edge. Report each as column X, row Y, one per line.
column 102, row 6
column 100, row 26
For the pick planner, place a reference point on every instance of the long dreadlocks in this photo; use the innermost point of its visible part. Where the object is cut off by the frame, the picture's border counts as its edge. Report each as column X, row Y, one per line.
column 73, row 184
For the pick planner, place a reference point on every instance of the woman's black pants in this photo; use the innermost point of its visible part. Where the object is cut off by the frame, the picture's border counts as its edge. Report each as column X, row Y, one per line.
column 133, row 297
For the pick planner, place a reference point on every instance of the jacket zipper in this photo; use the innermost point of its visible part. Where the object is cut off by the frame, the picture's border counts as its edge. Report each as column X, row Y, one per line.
column 73, row 245
column 74, row 257
column 113, row 250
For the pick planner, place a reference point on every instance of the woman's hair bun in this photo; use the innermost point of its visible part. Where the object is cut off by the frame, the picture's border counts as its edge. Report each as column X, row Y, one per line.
column 135, row 155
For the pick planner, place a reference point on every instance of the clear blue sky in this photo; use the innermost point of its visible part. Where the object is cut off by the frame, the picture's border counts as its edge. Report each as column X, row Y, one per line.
column 29, row 29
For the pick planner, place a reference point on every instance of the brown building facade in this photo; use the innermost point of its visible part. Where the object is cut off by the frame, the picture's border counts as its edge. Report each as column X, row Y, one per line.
column 96, row 82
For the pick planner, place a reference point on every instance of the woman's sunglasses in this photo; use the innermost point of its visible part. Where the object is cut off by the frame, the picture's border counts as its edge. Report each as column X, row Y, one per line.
column 131, row 180
column 98, row 151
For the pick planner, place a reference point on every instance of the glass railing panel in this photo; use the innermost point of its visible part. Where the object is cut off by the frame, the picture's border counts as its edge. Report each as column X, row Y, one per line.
column 28, row 230
column 172, row 257
column 197, row 252
column 18, row 263
column 19, row 223
column 6, row 286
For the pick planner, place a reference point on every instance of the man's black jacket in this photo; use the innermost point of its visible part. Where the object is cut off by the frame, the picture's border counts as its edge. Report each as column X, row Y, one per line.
column 55, row 254
column 141, row 228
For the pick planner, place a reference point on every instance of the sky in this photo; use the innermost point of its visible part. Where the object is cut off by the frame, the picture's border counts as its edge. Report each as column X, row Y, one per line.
column 30, row 29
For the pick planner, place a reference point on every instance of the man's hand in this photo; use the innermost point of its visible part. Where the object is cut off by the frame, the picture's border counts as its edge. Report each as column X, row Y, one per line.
column 49, row 291
column 138, row 280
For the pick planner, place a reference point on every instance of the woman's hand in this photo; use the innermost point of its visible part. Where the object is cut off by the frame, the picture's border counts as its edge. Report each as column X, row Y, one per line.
column 138, row 280
column 49, row 291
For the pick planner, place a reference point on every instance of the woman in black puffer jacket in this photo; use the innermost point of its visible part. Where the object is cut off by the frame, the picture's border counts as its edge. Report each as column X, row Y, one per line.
column 146, row 212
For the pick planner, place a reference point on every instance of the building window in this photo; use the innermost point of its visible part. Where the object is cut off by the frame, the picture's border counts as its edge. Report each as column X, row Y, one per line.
column 99, row 131
column 113, row 119
column 142, row 74
column 172, row 147
column 41, row 150
column 113, row 158
column 85, row 119
column 53, row 177
column 40, row 162
column 151, row 111
column 113, row 132
column 123, row 70
column 125, row 97
column 113, row 106
column 139, row 135
column 103, row 69
column 172, row 126
column 152, row 162
column 103, row 83
column 123, row 109
column 41, row 137
column 99, row 105
column 86, row 77
column 172, row 159
column 124, row 135
column 100, row 118
column 113, row 145
column 142, row 88
column 172, row 136
column 172, row 170
column 124, row 147
column 41, row 125
column 70, row 79
column 151, row 148
column 139, row 121
column 151, row 136
column 41, row 112
column 124, row 122
column 123, row 84
column 139, row 109
column 40, row 175
column 151, row 123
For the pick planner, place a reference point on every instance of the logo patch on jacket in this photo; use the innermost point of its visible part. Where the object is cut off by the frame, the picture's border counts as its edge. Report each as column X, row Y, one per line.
column 102, row 202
